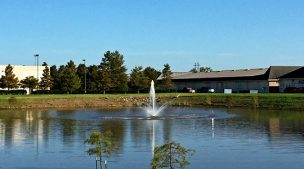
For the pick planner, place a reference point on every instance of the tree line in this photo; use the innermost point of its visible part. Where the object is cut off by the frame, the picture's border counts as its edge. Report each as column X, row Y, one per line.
column 109, row 76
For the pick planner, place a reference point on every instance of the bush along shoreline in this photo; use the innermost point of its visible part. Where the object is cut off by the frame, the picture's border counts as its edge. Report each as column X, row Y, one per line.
column 253, row 101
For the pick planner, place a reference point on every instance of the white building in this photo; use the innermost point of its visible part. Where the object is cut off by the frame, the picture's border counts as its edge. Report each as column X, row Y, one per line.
column 24, row 71
column 263, row 80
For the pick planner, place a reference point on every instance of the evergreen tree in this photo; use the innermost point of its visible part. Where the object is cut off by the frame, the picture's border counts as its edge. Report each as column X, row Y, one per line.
column 60, row 78
column 54, row 78
column 113, row 72
column 152, row 74
column 166, row 77
column 81, row 72
column 93, row 82
column 171, row 155
column 68, row 77
column 46, row 81
column 106, row 82
column 29, row 82
column 9, row 80
column 138, row 80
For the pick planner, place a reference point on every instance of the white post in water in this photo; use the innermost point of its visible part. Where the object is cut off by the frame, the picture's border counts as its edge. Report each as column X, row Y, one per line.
column 152, row 97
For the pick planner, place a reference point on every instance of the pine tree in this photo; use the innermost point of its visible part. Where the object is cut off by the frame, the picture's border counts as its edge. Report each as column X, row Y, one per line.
column 81, row 72
column 166, row 77
column 46, row 81
column 9, row 80
column 113, row 72
column 106, row 83
column 68, row 77
column 55, row 78
column 93, row 83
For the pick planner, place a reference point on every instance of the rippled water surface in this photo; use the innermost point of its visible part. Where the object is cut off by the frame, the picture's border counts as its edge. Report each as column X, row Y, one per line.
column 228, row 139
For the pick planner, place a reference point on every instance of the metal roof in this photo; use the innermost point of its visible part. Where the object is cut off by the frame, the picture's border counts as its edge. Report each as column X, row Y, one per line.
column 273, row 72
column 276, row 72
column 219, row 74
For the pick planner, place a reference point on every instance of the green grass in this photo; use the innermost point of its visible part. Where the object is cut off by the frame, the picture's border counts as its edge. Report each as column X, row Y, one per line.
column 91, row 95
column 275, row 95
column 270, row 101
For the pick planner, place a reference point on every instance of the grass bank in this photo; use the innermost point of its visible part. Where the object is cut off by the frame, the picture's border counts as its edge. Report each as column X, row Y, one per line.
column 264, row 101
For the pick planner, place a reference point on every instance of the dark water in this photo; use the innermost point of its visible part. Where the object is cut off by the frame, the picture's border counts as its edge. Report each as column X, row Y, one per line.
column 228, row 139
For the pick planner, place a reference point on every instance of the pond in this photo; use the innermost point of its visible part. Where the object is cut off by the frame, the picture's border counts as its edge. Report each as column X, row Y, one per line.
column 223, row 138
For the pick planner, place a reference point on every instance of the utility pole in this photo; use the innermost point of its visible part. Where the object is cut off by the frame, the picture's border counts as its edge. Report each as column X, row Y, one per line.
column 197, row 66
column 85, row 76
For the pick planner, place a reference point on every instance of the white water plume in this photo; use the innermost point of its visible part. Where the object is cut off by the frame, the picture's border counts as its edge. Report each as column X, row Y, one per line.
column 152, row 108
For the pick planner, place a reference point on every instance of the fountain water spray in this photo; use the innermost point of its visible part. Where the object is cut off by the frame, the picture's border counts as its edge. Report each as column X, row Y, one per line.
column 152, row 96
column 152, row 109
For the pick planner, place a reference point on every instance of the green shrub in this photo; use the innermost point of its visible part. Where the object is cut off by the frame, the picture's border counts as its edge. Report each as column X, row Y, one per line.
column 13, row 92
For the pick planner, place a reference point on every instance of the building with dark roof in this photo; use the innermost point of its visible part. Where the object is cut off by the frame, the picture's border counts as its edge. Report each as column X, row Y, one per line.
column 263, row 80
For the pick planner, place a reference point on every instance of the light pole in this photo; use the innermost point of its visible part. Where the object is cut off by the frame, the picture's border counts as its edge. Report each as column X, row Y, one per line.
column 85, row 76
column 37, row 64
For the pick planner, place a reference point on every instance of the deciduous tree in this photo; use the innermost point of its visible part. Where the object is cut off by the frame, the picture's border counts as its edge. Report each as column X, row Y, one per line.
column 138, row 80
column 102, row 145
column 205, row 69
column 201, row 69
column 152, row 74
column 171, row 155
column 29, row 82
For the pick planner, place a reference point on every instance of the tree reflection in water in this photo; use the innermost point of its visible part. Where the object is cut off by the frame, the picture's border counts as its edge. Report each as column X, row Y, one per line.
column 51, row 134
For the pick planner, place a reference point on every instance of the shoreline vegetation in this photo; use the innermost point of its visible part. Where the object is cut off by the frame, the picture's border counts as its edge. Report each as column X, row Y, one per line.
column 78, row 101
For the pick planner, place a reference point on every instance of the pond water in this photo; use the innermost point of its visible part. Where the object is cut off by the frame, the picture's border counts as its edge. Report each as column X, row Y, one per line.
column 224, row 138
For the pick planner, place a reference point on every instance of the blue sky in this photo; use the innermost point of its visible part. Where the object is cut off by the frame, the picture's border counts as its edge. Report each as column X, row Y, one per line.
column 222, row 34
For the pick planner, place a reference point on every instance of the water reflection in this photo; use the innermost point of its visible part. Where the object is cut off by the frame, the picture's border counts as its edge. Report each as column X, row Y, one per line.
column 45, row 136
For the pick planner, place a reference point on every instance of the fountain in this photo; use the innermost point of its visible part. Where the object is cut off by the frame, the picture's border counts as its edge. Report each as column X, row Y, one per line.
column 152, row 110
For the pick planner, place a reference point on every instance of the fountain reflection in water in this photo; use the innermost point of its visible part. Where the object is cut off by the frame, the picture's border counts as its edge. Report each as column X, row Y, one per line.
column 152, row 109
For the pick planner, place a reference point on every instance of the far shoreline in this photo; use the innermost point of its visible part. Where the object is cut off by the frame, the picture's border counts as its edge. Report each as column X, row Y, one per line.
column 206, row 100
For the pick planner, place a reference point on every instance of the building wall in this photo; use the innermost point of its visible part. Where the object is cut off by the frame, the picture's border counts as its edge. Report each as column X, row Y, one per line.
column 24, row 71
column 291, row 82
column 219, row 86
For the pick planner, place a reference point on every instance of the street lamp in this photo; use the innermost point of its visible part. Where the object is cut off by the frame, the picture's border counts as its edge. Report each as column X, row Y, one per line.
column 37, row 63
column 85, row 76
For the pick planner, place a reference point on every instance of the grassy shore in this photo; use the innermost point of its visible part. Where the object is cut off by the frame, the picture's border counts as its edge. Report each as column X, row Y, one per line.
column 265, row 101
